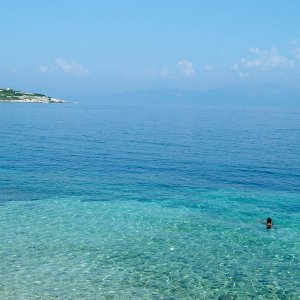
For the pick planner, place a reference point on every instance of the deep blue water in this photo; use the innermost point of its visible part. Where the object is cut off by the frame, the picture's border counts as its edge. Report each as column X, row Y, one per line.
column 149, row 202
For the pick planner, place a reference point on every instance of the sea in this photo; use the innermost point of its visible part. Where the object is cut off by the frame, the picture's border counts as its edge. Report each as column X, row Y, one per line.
column 141, row 201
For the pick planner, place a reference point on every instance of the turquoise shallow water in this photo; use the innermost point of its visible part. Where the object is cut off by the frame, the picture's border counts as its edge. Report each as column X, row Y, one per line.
column 149, row 202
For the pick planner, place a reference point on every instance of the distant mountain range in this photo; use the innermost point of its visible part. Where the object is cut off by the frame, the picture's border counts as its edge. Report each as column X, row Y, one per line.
column 264, row 95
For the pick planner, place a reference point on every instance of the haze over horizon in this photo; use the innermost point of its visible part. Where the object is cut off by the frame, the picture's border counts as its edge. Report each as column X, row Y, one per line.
column 82, row 48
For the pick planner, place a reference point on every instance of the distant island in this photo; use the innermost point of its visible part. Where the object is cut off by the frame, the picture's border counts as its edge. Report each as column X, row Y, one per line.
column 10, row 95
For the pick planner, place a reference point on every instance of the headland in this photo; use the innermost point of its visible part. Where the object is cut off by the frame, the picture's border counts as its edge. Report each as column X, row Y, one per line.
column 10, row 95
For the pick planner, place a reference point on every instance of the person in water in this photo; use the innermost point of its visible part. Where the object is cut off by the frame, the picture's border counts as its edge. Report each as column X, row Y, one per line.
column 269, row 223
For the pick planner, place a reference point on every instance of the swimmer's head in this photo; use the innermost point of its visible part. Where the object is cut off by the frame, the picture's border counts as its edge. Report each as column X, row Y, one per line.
column 269, row 223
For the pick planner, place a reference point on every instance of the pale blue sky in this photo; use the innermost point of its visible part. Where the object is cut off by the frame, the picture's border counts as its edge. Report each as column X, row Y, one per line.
column 64, row 47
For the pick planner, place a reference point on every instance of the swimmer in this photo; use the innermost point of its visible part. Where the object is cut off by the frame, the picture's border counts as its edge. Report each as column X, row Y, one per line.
column 269, row 223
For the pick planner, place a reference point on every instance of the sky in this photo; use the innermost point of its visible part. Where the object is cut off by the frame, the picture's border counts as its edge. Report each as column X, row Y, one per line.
column 75, row 47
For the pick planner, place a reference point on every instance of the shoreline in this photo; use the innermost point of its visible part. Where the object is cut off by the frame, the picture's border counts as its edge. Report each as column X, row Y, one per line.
column 34, row 100
column 10, row 95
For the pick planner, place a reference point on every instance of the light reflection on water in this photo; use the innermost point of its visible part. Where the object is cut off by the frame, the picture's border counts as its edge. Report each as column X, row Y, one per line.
column 156, row 203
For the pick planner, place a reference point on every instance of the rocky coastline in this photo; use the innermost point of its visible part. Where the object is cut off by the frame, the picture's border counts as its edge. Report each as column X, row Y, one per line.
column 10, row 95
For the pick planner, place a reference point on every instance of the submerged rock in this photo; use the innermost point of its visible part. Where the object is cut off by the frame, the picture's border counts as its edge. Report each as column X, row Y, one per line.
column 227, row 297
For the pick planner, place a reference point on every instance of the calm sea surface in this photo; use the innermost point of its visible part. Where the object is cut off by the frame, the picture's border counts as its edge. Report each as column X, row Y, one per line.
column 149, row 202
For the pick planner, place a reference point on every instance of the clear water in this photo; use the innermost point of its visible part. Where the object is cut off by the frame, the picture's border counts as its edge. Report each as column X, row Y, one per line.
column 149, row 202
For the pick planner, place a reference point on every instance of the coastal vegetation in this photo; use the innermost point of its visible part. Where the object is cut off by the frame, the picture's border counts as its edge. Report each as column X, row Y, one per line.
column 10, row 95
